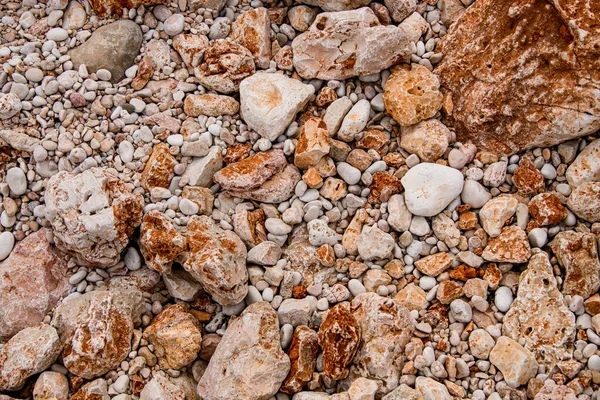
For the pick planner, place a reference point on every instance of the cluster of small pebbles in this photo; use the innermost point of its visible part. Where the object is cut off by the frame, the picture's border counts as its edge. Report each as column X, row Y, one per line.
column 292, row 200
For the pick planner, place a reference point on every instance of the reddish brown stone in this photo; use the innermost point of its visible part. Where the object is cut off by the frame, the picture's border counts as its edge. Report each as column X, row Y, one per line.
column 303, row 357
column 326, row 255
column 383, row 187
column 467, row 220
column 547, row 209
column 159, row 168
column 373, row 139
column 106, row 8
column 463, row 273
column 160, row 242
column 144, row 73
column 237, row 152
column 251, row 172
column 449, row 291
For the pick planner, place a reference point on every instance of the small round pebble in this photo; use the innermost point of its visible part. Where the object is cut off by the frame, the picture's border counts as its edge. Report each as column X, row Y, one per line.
column 503, row 298
column 7, row 242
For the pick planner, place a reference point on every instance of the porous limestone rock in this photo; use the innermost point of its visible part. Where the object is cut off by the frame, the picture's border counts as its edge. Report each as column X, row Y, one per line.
column 248, row 362
column 502, row 83
column 160, row 387
column 517, row 364
column 494, row 214
column 586, row 167
column 96, row 330
column 191, row 48
column 303, row 358
column 428, row 139
column 431, row 389
column 51, row 385
column 32, row 281
column 158, row 171
column 510, row 246
column 94, row 390
column 313, row 143
column 10, row 105
column 277, row 189
column 211, row 105
column 252, row 171
column 92, row 214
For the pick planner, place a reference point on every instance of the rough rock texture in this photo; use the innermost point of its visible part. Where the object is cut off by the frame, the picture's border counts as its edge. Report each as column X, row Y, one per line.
column 51, row 386
column 217, row 259
column 176, row 336
column 29, row 352
column 107, row 8
column 496, row 212
column 303, row 357
column 577, row 253
column 336, row 5
column 546, row 209
column 345, row 44
column 252, row 29
column 94, row 390
column 277, row 189
column 10, row 105
column 160, row 241
column 313, row 143
column 428, row 139
column 96, row 330
column 501, row 68
column 93, row 214
column 270, row 102
column 339, row 338
column 516, row 363
column 586, row 167
column 224, row 66
column 552, row 391
column 584, row 201
column 386, row 327
column 32, row 280
column 158, row 171
column 511, row 246
column 538, row 318
column 248, row 362
column 160, row 387
column 112, row 47
column 191, row 48
column 209, row 104
column 251, row 172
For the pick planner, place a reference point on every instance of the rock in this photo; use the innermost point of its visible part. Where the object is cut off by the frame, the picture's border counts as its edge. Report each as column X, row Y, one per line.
column 301, row 17
column 279, row 188
column 445, row 229
column 248, row 362
column 96, row 329
column 251, row 172
column 181, row 285
column 319, row 233
column 411, row 94
column 10, row 105
column 303, row 358
column 51, row 386
column 386, row 327
column 333, row 189
column 252, row 29
column 431, row 389
column 496, row 212
column 161, row 387
column 546, row 209
column 224, row 66
column 265, row 253
column 434, row 264
column 297, row 311
column 577, row 253
column 400, row 9
column 403, row 392
column 250, row 226
column 202, row 169
column 335, row 114
column 217, row 259
column 15, row 139
column 16, row 180
column 399, row 217
column 483, row 56
column 113, row 47
column 510, row 246
column 355, row 121
column 373, row 243
column 339, row 338
column 159, row 168
column 429, row 188
column 313, row 144
column 495, row 174
column 412, row 297
column 538, row 317
column 211, row 105
column 481, row 343
column 475, row 194
column 552, row 391
column 202, row 197
column 428, row 139
column 144, row 280
column 92, row 214
column 95, row 390
column 176, row 336
column 217, row 5
column 106, row 8
column 27, row 353
column 160, row 242
column 586, row 167
column 74, row 17
column 269, row 102
column 516, row 363
column 33, row 279
column 174, row 24
column 191, row 48
column 345, row 44
column 336, row 5
column 584, row 201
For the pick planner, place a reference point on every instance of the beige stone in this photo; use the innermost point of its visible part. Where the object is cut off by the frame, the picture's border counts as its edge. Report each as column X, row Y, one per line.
column 251, row 172
column 303, row 358
column 586, row 167
column 511, row 246
column 160, row 387
column 496, row 212
column 51, row 386
column 428, row 139
column 546, row 209
column 431, row 389
column 190, row 47
column 106, row 8
column 412, row 297
column 434, row 264
column 211, row 105
column 160, row 241
column 277, row 189
column 158, row 171
column 313, row 143
column 481, row 343
column 336, row 5
column 252, row 29
column 516, row 363
column 584, row 201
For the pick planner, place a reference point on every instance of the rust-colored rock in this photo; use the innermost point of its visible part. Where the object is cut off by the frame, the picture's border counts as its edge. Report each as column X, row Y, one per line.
column 511, row 246
column 250, row 226
column 252, row 29
column 144, row 73
column 383, row 187
column 339, row 337
column 527, row 178
column 106, row 8
column 303, row 357
column 159, row 168
column 277, row 189
column 160, row 242
column 546, row 209
column 251, row 172
column 509, row 89
column 313, row 143
column 190, row 47
column 434, row 264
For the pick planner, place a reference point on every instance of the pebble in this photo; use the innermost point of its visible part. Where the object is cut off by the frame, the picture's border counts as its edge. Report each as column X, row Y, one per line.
column 174, row 24
column 503, row 298
column 7, row 242
column 57, row 34
column 537, row 237
column 17, row 181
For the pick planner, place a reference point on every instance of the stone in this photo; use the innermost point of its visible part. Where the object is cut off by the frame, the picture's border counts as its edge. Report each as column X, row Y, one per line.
column 251, row 172
column 181, row 285
column 34, row 278
column 483, row 56
column 160, row 387
column 412, row 297
column 301, row 17
column 333, row 189
column 303, row 357
column 217, row 5
column 173, row 25
column 15, row 139
column 252, row 29
column 248, row 362
column 106, row 8
column 336, row 5
column 586, row 167
column 297, row 312
column 577, row 253
column 96, row 329
column 527, row 178
column 279, row 188
column 250, row 226
column 428, row 139
column 74, row 17
column 176, row 336
column 201, row 197
column 270, row 102
column 431, row 389
column 29, row 352
column 386, row 327
column 225, row 64
column 339, row 338
column 217, row 259
column 95, row 390
column 495, row 174
column 159, row 169
column 584, row 201
column 552, row 391
column 92, row 214
column 400, row 9
column 16, row 180
column 211, row 105
column 264, row 253
column 496, row 212
column 202, row 169
column 113, row 47
column 313, row 143
column 475, row 194
column 510, row 246
column 335, row 113
column 160, row 242
column 51, row 386
column 434, row 264
column 412, row 94
column 429, row 188
column 481, row 343
column 375, row 244
column 399, row 217
column 355, row 121
column 10, row 105
column 190, row 47
column 344, row 44
column 517, row 364
column 446, row 230
column 546, row 209
column 538, row 317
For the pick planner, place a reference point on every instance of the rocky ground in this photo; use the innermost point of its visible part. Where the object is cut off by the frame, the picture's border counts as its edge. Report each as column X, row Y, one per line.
column 307, row 200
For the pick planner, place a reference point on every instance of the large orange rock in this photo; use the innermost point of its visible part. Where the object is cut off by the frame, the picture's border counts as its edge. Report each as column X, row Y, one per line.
column 106, row 8
column 523, row 74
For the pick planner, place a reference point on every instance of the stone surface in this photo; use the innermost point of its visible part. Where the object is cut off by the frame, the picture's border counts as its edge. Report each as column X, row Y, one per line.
column 94, row 390
column 399, row 217
column 202, row 169
column 303, row 358
column 112, row 47
column 160, row 387
column 586, row 167
column 434, row 264
column 96, row 329
column 546, row 209
column 211, row 105
column 428, row 139
column 538, row 317
column 496, row 212
column 10, row 105
column 577, row 253
column 527, row 178
column 107, row 8
column 336, row 5
column 269, row 102
column 160, row 242
column 345, row 44
column 33, row 279
column 277, row 189
column 51, row 386
column 552, row 391
column 429, row 188
column 217, row 259
column 375, row 244
column 176, row 336
column 430, row 389
column 248, row 362
column 517, row 364
column 158, row 171
column 412, row 94
column 251, row 172
column 584, row 201
column 400, row 9
column 252, row 29
column 313, row 143
column 511, row 246
column 92, row 215
column 484, row 55
column 29, row 352
column 190, row 47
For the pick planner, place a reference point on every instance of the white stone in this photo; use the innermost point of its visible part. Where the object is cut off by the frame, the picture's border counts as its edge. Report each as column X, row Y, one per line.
column 174, row 24
column 503, row 298
column 586, row 167
column 348, row 173
column 126, row 151
column 355, row 121
column 7, row 242
column 475, row 194
column 375, row 244
column 399, row 217
column 10, row 105
column 17, row 182
column 57, row 34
